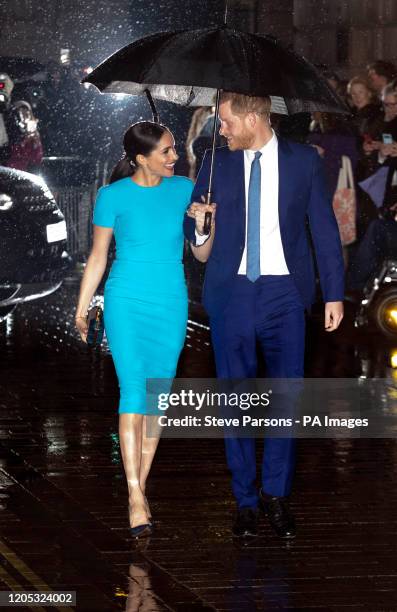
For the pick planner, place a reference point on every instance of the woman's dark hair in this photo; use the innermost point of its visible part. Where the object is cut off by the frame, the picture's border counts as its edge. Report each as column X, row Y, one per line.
column 140, row 139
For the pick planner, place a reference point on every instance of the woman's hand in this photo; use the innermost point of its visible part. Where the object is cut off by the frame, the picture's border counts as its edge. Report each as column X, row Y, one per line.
column 197, row 211
column 93, row 273
column 82, row 327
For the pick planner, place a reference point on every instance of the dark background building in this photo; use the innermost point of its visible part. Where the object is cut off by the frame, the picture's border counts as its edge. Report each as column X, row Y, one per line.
column 345, row 34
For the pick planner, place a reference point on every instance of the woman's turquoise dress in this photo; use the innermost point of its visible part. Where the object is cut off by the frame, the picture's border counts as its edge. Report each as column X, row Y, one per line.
column 145, row 300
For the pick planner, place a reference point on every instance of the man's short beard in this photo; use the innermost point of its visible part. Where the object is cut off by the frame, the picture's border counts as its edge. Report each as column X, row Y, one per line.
column 243, row 142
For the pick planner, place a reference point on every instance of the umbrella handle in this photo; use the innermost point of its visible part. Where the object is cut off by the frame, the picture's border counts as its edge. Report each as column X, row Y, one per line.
column 156, row 118
column 207, row 223
column 208, row 215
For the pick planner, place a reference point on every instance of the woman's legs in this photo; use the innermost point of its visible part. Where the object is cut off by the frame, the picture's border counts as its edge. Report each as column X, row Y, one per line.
column 149, row 446
column 138, row 350
column 130, row 436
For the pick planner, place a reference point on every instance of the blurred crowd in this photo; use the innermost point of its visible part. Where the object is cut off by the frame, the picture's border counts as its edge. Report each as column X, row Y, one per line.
column 367, row 140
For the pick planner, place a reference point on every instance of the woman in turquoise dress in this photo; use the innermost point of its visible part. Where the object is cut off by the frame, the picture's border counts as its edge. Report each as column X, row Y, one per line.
column 145, row 298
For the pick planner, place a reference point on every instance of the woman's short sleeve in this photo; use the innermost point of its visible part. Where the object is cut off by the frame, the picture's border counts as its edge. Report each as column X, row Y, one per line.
column 104, row 214
column 189, row 186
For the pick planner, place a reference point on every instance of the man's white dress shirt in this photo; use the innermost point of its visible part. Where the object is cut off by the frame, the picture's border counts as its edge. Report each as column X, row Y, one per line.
column 272, row 260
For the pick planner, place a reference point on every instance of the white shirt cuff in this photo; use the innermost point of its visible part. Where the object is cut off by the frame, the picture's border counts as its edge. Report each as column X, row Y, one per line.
column 200, row 239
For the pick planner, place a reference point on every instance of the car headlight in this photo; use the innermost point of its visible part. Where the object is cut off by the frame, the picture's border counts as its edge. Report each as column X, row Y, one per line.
column 5, row 201
column 391, row 316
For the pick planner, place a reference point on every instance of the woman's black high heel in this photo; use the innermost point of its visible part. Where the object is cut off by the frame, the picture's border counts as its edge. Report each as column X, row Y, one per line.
column 142, row 531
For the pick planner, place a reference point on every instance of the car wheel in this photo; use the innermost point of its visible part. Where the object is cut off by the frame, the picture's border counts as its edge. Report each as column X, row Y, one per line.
column 5, row 311
column 384, row 312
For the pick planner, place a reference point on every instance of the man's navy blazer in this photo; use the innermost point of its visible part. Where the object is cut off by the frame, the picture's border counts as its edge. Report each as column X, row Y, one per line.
column 303, row 202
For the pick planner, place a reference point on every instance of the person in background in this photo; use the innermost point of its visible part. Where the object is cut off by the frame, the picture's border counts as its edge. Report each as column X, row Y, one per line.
column 20, row 144
column 366, row 108
column 380, row 240
column 380, row 73
column 381, row 148
column 26, row 151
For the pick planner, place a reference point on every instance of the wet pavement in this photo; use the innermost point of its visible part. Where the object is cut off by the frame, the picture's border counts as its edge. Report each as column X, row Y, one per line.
column 63, row 504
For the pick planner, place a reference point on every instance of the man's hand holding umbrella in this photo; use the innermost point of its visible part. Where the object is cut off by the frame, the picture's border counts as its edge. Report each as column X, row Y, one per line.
column 198, row 211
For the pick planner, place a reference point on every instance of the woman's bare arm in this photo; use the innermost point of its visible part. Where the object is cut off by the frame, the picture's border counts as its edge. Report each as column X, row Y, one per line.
column 93, row 273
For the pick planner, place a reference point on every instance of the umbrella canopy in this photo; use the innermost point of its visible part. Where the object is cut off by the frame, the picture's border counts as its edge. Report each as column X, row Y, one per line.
column 189, row 66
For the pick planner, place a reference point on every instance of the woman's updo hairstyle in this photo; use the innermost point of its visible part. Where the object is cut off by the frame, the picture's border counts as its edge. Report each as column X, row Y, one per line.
column 140, row 139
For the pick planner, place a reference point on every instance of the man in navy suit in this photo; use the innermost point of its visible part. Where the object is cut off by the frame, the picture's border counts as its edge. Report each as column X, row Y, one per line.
column 260, row 279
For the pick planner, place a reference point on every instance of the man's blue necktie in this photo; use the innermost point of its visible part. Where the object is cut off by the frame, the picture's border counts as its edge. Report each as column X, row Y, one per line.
column 254, row 218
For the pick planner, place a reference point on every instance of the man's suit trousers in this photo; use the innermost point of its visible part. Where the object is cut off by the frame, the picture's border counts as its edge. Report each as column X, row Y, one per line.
column 268, row 314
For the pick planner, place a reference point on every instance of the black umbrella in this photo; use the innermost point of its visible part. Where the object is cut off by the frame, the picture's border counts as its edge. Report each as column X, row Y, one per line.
column 190, row 67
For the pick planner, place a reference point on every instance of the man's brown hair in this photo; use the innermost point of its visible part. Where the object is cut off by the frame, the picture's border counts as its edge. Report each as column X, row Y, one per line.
column 241, row 104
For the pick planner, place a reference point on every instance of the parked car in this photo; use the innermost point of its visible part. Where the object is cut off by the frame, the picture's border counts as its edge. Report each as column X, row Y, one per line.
column 33, row 255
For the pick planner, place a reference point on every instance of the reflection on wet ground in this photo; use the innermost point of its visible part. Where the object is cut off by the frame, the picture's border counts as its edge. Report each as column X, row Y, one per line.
column 63, row 513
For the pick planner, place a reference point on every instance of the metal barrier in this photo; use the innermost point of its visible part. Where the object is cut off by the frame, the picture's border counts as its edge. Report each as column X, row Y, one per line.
column 74, row 183
column 77, row 203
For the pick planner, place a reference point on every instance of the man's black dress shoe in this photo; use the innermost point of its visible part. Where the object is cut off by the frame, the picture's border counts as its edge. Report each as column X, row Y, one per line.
column 279, row 515
column 246, row 523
